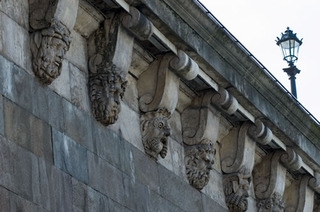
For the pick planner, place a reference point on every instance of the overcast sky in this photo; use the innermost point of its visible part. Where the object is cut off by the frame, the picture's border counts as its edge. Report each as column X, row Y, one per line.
column 257, row 23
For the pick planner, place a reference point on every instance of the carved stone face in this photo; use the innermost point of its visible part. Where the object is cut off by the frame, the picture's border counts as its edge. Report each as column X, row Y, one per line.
column 155, row 131
column 48, row 61
column 199, row 161
column 236, row 187
column 273, row 204
column 106, row 92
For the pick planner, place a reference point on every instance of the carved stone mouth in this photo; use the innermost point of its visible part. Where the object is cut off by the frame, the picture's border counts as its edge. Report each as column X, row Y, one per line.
column 164, row 140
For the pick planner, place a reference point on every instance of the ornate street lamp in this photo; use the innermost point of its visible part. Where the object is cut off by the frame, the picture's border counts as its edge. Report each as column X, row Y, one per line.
column 290, row 44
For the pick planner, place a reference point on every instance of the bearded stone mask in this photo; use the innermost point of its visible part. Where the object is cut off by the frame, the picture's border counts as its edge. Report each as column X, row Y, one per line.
column 106, row 91
column 199, row 160
column 236, row 189
column 48, row 47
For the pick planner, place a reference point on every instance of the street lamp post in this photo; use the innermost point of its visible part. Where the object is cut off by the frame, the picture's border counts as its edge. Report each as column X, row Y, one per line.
column 290, row 44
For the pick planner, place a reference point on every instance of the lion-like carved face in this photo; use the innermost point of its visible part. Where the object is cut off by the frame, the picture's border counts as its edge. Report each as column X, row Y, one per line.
column 155, row 132
column 199, row 161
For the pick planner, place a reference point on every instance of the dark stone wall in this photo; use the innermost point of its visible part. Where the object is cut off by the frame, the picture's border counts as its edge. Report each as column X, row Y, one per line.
column 56, row 157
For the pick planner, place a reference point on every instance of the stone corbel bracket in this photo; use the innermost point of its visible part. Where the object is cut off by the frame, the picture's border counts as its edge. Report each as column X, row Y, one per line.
column 225, row 101
column 158, row 89
column 110, row 55
column 237, row 161
column 236, row 189
column 200, row 124
column 51, row 22
column 314, row 182
column 270, row 178
column 237, row 150
column 299, row 196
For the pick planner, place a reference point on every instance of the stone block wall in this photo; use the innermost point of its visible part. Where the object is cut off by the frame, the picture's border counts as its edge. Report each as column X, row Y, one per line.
column 219, row 150
column 54, row 156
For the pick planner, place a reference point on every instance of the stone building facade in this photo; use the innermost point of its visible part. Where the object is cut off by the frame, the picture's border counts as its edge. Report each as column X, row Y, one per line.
column 141, row 105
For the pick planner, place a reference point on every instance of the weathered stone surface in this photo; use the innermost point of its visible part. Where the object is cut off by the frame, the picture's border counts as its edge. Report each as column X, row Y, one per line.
column 211, row 205
column 180, row 192
column 40, row 102
column 14, row 43
column 19, row 170
column 105, row 178
column 77, row 54
column 78, row 125
column 19, row 204
column 78, row 88
column 5, row 74
column 137, row 195
column 55, row 188
column 130, row 97
column 57, row 111
column 1, row 116
column 4, row 199
column 42, row 13
column 61, row 84
column 70, row 156
column 18, row 86
column 16, row 10
column 34, row 134
column 214, row 188
column 129, row 126
column 116, row 207
column 88, row 19
column 61, row 191
column 175, row 158
column 175, row 126
column 146, row 170
column 126, row 158
column 45, row 184
column 106, row 144
column 158, row 203
column 87, row 199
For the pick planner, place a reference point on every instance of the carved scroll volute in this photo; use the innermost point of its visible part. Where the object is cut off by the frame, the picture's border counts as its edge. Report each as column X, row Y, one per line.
column 158, row 89
column 237, row 150
column 110, row 53
column 260, row 133
column 200, row 126
column 237, row 160
column 299, row 196
column 314, row 184
column 225, row 101
column 269, row 183
column 51, row 22
column 138, row 24
column 270, row 178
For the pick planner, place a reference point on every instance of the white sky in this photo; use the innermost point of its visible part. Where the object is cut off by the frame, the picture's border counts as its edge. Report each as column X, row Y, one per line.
column 257, row 23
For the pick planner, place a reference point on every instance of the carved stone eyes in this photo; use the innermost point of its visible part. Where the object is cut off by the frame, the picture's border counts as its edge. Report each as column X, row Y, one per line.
column 160, row 125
